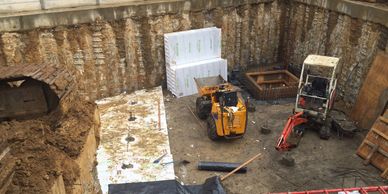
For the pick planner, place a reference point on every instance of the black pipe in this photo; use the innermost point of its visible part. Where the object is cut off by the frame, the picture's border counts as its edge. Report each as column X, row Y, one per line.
column 220, row 166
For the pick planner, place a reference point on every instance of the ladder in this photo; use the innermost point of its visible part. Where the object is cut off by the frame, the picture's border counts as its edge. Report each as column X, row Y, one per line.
column 355, row 190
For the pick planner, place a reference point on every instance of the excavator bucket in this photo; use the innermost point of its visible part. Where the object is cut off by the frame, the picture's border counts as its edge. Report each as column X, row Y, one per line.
column 291, row 133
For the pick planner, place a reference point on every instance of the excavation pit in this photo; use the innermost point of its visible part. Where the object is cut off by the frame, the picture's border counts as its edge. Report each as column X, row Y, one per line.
column 111, row 49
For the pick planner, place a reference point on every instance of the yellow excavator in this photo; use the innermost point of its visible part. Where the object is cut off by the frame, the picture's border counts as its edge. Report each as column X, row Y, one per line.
column 222, row 105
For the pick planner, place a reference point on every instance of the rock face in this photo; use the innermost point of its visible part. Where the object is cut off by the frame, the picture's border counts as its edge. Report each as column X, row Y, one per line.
column 321, row 31
column 52, row 154
column 110, row 56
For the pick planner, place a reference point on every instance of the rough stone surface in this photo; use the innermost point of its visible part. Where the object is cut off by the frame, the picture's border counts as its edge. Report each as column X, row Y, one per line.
column 125, row 52
column 313, row 30
column 110, row 57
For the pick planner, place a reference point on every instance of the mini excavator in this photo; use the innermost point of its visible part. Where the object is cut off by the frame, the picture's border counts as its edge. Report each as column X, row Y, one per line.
column 314, row 100
column 222, row 105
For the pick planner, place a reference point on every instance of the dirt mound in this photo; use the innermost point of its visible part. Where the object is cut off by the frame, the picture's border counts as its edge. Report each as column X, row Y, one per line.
column 46, row 148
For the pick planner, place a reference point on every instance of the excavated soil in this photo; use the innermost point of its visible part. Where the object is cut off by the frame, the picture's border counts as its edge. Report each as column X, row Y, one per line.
column 47, row 147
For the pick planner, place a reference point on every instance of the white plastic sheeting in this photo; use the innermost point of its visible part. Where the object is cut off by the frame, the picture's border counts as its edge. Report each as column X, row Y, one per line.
column 180, row 79
column 192, row 54
column 192, row 46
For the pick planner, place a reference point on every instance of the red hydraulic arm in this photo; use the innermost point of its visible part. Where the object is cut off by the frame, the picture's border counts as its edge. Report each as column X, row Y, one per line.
column 294, row 120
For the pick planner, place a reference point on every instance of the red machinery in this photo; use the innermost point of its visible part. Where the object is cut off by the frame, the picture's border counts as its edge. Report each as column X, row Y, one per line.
column 293, row 121
column 361, row 190
column 315, row 97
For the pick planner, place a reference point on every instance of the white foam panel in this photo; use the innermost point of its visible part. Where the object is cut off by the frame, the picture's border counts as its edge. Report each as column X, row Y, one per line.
column 193, row 45
column 180, row 79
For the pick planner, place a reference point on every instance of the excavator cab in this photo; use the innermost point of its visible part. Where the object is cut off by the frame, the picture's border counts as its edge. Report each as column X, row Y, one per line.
column 314, row 100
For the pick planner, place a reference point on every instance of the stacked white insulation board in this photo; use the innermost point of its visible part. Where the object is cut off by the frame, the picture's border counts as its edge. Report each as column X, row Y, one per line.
column 192, row 54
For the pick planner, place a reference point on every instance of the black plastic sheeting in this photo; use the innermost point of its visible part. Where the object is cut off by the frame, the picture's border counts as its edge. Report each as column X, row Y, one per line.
column 211, row 186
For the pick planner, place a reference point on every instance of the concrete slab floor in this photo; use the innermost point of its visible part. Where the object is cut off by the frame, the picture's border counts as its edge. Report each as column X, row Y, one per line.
column 318, row 163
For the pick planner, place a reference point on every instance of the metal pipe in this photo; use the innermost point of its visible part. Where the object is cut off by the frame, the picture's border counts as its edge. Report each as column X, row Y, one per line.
column 220, row 166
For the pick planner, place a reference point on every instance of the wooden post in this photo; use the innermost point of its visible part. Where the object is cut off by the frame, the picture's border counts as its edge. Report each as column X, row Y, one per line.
column 241, row 166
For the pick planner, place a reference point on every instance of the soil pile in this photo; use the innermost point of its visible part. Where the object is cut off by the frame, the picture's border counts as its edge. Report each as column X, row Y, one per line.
column 47, row 147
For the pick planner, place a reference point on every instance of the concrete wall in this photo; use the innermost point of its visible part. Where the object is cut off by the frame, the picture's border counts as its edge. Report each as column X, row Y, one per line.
column 9, row 6
column 12, row 6
column 52, row 4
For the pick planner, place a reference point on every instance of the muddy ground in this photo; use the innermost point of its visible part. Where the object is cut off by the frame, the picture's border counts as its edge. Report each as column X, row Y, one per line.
column 47, row 147
column 318, row 163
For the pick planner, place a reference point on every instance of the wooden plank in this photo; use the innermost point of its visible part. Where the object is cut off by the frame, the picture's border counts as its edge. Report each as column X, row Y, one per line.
column 367, row 159
column 372, row 98
column 380, row 133
column 377, row 138
column 272, row 81
column 379, row 159
column 381, row 151
column 5, row 185
column 385, row 174
column 385, row 120
column 4, row 153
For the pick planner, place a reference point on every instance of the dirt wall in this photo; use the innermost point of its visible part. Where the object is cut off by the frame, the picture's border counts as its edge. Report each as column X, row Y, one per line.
column 316, row 30
column 128, row 54
column 110, row 56
column 54, row 153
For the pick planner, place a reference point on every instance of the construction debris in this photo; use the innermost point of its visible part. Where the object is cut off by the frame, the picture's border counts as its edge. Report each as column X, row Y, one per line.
column 341, row 124
column 374, row 148
column 287, row 160
column 265, row 129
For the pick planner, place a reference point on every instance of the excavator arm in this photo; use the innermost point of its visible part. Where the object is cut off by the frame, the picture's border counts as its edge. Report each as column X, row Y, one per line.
column 293, row 121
